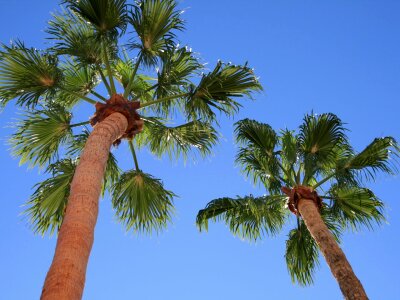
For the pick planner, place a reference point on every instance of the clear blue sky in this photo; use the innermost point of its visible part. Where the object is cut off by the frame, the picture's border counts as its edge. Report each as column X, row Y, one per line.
column 327, row 56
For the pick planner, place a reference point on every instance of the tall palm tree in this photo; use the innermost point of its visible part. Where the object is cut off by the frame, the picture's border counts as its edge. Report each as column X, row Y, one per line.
column 317, row 176
column 85, row 59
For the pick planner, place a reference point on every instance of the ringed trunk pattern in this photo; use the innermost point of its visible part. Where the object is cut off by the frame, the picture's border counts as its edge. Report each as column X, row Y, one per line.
column 66, row 276
column 350, row 286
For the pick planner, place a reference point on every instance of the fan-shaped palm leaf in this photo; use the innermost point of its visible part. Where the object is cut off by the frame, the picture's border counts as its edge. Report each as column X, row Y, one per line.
column 74, row 36
column 141, row 202
column 155, row 22
column 47, row 204
column 246, row 217
column 376, row 157
column 140, row 87
column 260, row 168
column 178, row 65
column 289, row 151
column 78, row 79
column 256, row 135
column 40, row 134
column 353, row 206
column 218, row 88
column 178, row 140
column 106, row 15
column 301, row 255
column 26, row 74
column 320, row 138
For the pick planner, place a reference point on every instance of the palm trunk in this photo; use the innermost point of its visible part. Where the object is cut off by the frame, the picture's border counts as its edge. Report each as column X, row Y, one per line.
column 349, row 284
column 66, row 277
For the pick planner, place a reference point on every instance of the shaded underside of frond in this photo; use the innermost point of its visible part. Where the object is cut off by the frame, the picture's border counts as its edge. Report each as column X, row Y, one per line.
column 47, row 204
column 141, row 202
column 248, row 217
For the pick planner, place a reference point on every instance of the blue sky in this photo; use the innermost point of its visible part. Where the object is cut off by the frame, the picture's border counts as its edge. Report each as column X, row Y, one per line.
column 327, row 56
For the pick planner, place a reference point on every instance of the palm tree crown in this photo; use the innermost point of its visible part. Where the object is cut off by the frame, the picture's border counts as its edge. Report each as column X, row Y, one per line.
column 86, row 57
column 318, row 157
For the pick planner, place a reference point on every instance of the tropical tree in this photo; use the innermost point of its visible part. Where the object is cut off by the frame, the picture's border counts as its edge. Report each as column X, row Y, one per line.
column 316, row 175
column 89, row 60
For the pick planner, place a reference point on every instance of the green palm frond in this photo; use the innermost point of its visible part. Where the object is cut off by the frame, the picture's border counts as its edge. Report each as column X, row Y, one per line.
column 380, row 155
column 26, row 74
column 79, row 79
column 247, row 217
column 177, row 141
column 320, row 138
column 141, row 202
column 301, row 255
column 141, row 86
column 155, row 22
column 218, row 89
column 354, row 207
column 72, row 35
column 289, row 151
column 178, row 65
column 256, row 155
column 260, row 167
column 40, row 134
column 256, row 135
column 107, row 16
column 47, row 205
column 112, row 172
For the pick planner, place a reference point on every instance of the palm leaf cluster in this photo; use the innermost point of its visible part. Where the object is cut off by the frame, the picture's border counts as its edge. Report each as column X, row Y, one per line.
column 318, row 155
column 99, row 48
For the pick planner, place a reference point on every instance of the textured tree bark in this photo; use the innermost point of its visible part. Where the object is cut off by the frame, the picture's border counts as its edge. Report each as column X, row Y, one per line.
column 350, row 286
column 66, row 276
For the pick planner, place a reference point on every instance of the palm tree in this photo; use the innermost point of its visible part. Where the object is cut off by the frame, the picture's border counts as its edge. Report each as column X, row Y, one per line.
column 85, row 59
column 316, row 175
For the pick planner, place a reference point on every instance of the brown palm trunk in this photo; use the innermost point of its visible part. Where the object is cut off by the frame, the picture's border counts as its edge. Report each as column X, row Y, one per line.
column 66, row 277
column 349, row 284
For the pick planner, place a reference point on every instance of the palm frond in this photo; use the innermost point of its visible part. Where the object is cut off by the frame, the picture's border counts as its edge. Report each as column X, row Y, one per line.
column 177, row 141
column 320, row 138
column 26, row 74
column 354, row 207
column 290, row 151
column 380, row 155
column 47, row 204
column 248, row 217
column 178, row 65
column 218, row 89
column 140, row 86
column 141, row 202
column 256, row 135
column 301, row 255
column 40, row 134
column 72, row 35
column 79, row 79
column 107, row 16
column 155, row 22
column 260, row 167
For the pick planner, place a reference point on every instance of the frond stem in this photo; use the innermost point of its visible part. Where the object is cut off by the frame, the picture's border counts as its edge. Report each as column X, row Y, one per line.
column 147, row 90
column 79, row 124
column 324, row 180
column 109, row 71
column 104, row 79
column 164, row 99
column 134, row 155
column 87, row 99
column 98, row 96
column 290, row 179
column 129, row 86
